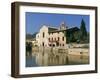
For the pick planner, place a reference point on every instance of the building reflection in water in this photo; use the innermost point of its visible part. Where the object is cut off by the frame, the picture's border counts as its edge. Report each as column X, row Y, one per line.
column 54, row 59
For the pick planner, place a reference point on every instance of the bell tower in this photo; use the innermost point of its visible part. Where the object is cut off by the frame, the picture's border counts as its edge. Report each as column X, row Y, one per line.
column 63, row 26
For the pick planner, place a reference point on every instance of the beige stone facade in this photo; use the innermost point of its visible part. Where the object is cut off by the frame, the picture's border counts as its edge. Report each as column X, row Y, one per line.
column 51, row 36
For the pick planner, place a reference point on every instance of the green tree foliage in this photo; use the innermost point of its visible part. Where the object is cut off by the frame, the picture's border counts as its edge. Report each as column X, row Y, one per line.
column 72, row 35
column 76, row 35
column 83, row 32
column 28, row 46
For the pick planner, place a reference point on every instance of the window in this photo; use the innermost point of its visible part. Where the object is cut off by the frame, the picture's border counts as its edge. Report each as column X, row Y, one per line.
column 43, row 44
column 62, row 38
column 58, row 38
column 55, row 39
column 49, row 39
column 57, row 43
column 52, row 39
column 43, row 34
column 53, row 45
column 49, row 44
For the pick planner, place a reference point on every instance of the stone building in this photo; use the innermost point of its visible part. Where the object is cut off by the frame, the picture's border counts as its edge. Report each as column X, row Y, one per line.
column 52, row 36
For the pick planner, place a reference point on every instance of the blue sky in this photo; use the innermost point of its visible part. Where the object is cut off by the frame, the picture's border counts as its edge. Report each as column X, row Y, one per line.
column 35, row 20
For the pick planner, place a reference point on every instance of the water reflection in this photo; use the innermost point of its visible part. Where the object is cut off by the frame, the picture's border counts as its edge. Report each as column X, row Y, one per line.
column 54, row 59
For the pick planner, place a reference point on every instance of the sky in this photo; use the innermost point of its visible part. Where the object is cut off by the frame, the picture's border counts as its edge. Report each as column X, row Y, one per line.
column 34, row 21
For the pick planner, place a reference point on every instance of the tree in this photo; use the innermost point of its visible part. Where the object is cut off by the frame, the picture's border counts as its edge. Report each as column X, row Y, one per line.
column 83, row 32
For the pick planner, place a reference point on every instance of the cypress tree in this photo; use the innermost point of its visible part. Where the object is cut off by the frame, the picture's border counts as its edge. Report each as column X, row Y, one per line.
column 83, row 32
